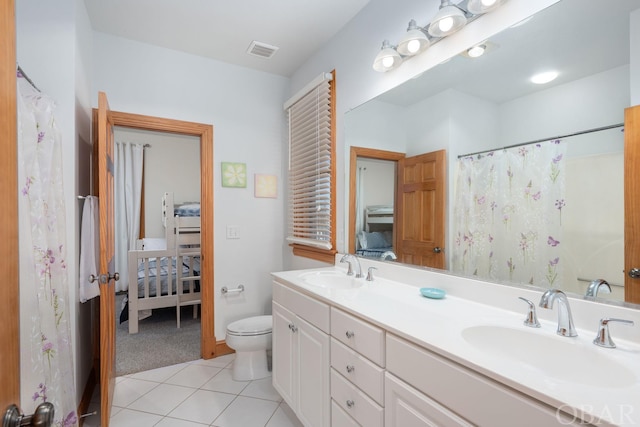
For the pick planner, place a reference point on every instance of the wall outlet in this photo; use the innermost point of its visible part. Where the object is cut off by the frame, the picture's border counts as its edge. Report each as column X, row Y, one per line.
column 233, row 232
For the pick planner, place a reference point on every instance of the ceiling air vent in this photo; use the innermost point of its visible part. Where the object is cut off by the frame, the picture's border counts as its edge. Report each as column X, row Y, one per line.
column 262, row 50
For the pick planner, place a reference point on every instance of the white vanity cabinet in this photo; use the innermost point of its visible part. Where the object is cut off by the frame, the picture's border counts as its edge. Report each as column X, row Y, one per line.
column 301, row 355
column 357, row 371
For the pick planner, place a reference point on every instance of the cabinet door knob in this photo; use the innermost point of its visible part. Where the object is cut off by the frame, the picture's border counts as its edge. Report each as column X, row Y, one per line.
column 350, row 403
column 350, row 368
column 350, row 334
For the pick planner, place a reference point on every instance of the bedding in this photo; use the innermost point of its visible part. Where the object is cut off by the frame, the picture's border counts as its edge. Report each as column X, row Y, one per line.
column 164, row 279
column 187, row 209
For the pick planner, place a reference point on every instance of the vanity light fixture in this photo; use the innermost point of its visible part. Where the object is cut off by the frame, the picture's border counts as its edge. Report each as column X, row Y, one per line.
column 545, row 77
column 387, row 59
column 448, row 20
column 414, row 42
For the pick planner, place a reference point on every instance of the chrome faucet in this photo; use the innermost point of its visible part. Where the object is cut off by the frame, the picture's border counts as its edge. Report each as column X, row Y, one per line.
column 595, row 285
column 352, row 260
column 565, row 320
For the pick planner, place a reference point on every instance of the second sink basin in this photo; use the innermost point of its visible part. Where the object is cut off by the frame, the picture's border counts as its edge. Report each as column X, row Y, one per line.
column 564, row 359
column 331, row 280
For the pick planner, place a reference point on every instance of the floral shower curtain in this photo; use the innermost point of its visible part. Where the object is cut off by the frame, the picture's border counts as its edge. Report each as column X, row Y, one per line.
column 508, row 214
column 46, row 354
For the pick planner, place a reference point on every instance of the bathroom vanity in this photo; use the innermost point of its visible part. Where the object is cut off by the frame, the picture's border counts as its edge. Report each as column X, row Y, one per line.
column 349, row 352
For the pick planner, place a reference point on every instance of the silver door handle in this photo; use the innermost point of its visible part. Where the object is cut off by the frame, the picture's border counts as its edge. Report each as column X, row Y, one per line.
column 437, row 250
column 43, row 416
column 104, row 278
column 634, row 273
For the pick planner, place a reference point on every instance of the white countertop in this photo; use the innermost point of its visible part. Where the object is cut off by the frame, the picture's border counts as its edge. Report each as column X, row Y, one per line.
column 602, row 387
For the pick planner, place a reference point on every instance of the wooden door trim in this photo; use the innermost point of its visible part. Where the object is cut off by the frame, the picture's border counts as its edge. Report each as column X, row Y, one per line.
column 631, row 212
column 9, row 265
column 367, row 153
column 205, row 133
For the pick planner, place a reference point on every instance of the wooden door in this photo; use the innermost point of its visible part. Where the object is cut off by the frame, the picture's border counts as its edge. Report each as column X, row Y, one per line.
column 631, row 202
column 9, row 290
column 421, row 210
column 107, row 262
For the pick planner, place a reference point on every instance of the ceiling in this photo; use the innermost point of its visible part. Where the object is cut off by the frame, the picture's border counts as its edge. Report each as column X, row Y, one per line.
column 224, row 29
column 578, row 38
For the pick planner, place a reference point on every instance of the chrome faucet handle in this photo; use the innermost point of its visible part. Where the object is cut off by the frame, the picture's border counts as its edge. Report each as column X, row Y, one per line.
column 603, row 339
column 531, row 319
column 370, row 273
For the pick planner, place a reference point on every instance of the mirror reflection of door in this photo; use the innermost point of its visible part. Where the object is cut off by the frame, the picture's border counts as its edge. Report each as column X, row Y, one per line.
column 414, row 220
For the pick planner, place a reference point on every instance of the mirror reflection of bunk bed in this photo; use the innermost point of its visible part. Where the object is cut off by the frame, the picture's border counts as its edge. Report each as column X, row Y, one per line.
column 376, row 240
column 166, row 269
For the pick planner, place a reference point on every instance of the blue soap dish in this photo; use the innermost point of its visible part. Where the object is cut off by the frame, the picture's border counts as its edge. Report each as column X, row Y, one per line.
column 433, row 293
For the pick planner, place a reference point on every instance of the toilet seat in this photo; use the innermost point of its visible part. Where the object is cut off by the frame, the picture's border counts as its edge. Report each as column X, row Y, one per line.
column 251, row 326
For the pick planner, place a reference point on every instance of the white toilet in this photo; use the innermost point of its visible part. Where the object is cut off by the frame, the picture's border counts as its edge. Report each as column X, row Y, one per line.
column 250, row 338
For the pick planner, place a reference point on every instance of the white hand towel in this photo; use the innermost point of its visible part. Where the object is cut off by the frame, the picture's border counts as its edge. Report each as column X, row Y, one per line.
column 89, row 249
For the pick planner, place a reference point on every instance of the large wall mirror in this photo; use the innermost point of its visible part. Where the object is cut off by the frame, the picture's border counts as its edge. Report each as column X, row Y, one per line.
column 471, row 105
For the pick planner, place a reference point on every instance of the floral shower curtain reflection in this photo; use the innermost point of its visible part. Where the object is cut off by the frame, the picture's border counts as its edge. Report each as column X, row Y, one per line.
column 508, row 214
column 46, row 354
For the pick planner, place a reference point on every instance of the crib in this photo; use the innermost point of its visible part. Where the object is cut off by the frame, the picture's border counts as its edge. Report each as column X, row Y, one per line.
column 166, row 270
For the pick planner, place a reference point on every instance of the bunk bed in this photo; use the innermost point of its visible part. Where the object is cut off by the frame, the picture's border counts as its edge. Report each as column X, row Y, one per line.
column 166, row 270
column 376, row 240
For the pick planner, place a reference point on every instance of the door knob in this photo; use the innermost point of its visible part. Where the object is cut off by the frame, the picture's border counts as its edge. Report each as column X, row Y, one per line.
column 42, row 417
column 437, row 250
column 634, row 273
column 104, row 278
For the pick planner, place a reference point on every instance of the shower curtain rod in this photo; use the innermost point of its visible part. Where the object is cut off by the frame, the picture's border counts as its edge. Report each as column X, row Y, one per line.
column 24, row 75
column 545, row 139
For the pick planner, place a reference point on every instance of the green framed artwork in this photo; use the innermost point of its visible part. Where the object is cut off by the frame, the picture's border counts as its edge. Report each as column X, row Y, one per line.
column 234, row 175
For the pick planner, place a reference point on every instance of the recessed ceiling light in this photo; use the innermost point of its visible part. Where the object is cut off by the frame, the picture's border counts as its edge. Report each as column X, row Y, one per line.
column 545, row 77
column 476, row 51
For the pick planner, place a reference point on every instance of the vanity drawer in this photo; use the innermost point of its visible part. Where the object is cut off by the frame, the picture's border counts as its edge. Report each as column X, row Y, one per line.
column 311, row 310
column 354, row 402
column 458, row 388
column 339, row 418
column 366, row 375
column 359, row 335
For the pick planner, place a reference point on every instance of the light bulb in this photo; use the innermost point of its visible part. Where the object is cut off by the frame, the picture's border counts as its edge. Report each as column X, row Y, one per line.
column 413, row 46
column 387, row 61
column 445, row 24
column 488, row 3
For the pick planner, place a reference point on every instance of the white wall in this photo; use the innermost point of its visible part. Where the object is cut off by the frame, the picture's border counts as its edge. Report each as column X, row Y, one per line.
column 245, row 108
column 53, row 48
column 379, row 181
column 171, row 164
column 351, row 54
column 635, row 56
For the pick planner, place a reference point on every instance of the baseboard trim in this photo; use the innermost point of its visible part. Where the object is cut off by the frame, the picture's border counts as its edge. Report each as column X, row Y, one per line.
column 87, row 394
column 222, row 348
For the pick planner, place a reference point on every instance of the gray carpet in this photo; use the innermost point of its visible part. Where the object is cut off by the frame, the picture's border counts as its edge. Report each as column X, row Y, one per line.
column 159, row 342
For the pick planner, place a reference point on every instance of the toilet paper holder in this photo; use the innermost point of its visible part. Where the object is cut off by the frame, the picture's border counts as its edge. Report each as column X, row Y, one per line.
column 226, row 290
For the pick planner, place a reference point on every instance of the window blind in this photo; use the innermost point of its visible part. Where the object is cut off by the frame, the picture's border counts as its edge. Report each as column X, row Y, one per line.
column 310, row 163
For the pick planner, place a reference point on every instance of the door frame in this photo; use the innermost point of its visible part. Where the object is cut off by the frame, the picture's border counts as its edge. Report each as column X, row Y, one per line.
column 364, row 153
column 204, row 132
column 9, row 246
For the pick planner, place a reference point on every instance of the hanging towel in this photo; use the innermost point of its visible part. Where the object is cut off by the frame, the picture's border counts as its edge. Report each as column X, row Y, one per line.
column 89, row 249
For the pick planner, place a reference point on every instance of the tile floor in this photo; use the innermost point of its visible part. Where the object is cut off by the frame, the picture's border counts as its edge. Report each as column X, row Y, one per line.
column 198, row 393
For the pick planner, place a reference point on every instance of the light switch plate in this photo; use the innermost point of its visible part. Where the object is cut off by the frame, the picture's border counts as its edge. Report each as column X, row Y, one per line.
column 233, row 232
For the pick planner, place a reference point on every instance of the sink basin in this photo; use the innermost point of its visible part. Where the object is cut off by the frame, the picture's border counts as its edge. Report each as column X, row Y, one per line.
column 331, row 280
column 559, row 358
